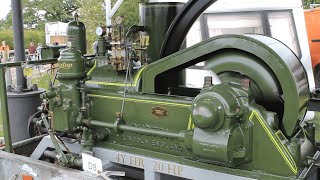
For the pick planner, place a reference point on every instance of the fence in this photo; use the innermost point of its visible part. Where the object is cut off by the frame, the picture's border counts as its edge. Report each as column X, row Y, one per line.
column 33, row 73
column 3, row 94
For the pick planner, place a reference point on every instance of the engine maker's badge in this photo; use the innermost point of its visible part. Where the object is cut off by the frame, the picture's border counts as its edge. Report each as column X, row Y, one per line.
column 65, row 65
column 159, row 111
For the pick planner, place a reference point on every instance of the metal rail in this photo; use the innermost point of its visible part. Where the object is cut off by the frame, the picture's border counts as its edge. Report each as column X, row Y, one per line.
column 21, row 63
column 5, row 112
column 4, row 100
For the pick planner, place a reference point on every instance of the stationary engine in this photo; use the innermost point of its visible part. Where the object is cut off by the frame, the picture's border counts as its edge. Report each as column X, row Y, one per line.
column 250, row 123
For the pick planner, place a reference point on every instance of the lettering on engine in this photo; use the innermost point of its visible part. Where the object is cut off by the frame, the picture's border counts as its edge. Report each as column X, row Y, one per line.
column 153, row 142
column 65, row 66
column 157, row 166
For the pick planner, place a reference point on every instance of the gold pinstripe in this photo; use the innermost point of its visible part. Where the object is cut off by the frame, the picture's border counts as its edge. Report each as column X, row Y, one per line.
column 141, row 100
column 135, row 81
column 286, row 155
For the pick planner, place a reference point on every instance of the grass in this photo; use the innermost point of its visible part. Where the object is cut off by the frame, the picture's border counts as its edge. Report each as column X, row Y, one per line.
column 42, row 82
column 1, row 127
column 316, row 121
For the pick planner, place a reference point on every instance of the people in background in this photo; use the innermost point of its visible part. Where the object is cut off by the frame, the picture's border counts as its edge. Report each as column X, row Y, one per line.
column 32, row 51
column 38, row 51
column 4, row 50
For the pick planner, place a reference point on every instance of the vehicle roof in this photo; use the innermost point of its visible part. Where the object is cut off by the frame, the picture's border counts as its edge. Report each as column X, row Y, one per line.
column 313, row 10
column 252, row 5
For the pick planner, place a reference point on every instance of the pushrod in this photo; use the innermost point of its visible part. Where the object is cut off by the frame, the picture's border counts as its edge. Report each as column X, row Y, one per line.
column 180, row 136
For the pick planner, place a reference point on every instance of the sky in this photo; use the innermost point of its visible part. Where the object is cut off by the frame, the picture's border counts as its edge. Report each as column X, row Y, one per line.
column 4, row 8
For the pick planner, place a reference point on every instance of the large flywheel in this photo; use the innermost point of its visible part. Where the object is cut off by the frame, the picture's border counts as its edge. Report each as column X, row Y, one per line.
column 278, row 75
column 278, row 79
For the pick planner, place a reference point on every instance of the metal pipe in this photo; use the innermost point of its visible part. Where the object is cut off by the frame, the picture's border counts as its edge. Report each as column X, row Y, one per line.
column 179, row 136
column 98, row 123
column 50, row 154
column 5, row 113
column 19, row 50
column 115, row 8
column 26, row 141
column 108, row 11
column 20, row 63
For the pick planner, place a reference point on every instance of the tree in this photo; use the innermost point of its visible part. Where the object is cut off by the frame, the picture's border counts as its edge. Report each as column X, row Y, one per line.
column 37, row 12
column 130, row 11
column 7, row 22
column 36, row 36
column 92, row 13
column 306, row 3
column 58, row 10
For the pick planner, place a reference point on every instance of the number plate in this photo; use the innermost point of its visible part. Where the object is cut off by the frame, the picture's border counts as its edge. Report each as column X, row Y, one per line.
column 91, row 164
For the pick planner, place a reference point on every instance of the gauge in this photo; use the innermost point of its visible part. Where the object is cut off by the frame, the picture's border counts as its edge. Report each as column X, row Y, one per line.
column 101, row 31
column 118, row 20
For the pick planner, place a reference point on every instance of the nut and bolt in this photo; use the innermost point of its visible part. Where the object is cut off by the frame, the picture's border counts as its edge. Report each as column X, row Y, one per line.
column 246, row 83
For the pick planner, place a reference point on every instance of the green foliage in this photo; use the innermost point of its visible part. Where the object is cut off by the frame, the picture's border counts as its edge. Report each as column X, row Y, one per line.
column 37, row 36
column 43, row 80
column 29, row 35
column 41, row 11
column 316, row 121
column 306, row 3
column 7, row 22
column 130, row 11
column 37, row 12
column 7, row 36
column 92, row 14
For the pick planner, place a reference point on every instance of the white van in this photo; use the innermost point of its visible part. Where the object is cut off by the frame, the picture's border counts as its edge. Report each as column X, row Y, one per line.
column 283, row 20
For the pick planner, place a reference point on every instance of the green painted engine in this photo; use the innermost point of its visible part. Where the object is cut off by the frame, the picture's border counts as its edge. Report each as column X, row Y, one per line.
column 250, row 123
